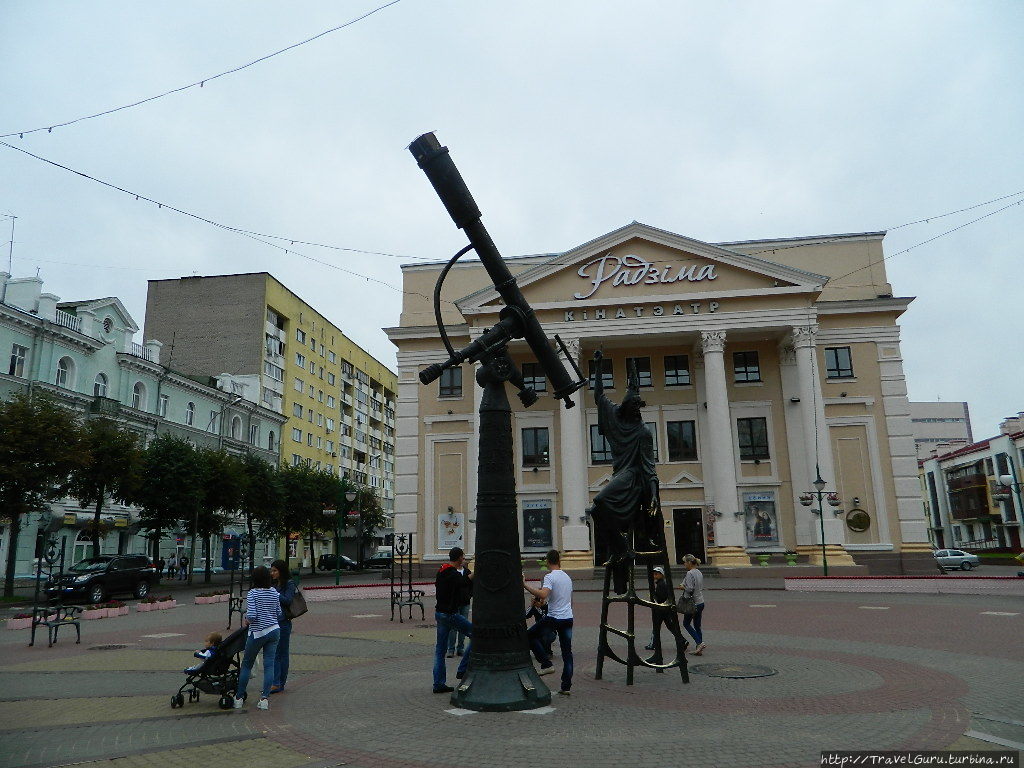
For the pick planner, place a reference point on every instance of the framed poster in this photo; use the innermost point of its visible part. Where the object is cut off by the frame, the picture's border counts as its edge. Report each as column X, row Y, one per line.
column 451, row 527
column 761, row 519
column 537, row 533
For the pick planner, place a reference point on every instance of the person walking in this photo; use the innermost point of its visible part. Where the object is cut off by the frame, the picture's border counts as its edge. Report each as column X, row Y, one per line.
column 693, row 586
column 660, row 596
column 556, row 590
column 456, row 639
column 450, row 585
column 286, row 588
column 160, row 565
column 183, row 568
column 172, row 566
column 262, row 618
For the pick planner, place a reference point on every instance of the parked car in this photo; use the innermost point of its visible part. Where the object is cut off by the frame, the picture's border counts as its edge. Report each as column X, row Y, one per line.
column 330, row 562
column 378, row 560
column 956, row 558
column 97, row 578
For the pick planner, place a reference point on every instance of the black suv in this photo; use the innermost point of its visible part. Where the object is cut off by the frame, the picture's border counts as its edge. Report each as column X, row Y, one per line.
column 97, row 578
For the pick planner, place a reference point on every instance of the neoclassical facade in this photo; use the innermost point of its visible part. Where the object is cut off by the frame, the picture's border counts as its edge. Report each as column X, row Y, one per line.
column 761, row 364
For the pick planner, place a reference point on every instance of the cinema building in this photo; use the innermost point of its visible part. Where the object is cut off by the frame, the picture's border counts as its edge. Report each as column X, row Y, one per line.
column 761, row 362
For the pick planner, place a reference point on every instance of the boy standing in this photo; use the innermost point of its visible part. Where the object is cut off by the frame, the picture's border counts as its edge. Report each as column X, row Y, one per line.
column 556, row 589
column 451, row 584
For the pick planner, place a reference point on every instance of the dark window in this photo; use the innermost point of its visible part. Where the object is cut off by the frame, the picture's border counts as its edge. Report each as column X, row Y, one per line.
column 450, row 383
column 643, row 369
column 607, row 373
column 535, row 447
column 677, row 369
column 745, row 366
column 753, row 437
column 652, row 427
column 682, row 441
column 838, row 363
column 600, row 451
column 533, row 377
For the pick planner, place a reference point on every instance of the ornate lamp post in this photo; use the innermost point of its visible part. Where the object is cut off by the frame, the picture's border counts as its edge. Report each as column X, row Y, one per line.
column 807, row 498
column 350, row 497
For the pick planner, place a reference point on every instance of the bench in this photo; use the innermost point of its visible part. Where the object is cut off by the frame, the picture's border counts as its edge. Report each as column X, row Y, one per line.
column 407, row 598
column 53, row 618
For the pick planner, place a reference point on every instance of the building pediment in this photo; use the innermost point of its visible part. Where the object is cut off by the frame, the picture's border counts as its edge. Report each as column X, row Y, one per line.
column 108, row 307
column 638, row 263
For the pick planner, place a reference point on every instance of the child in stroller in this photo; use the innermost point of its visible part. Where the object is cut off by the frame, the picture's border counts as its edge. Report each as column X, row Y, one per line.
column 216, row 675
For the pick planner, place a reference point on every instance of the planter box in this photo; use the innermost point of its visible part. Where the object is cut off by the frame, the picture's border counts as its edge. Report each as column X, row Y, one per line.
column 113, row 613
column 145, row 607
column 222, row 598
column 167, row 604
column 19, row 623
column 204, row 600
column 96, row 613
column 123, row 610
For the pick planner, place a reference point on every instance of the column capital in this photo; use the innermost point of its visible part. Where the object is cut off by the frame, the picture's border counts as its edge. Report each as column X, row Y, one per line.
column 805, row 335
column 787, row 353
column 712, row 341
column 573, row 345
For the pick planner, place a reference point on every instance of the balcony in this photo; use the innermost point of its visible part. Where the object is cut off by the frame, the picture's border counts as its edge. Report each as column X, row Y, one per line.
column 138, row 350
column 67, row 320
column 104, row 406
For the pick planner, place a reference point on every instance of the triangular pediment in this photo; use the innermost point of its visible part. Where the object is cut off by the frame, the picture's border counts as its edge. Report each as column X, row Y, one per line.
column 109, row 306
column 642, row 262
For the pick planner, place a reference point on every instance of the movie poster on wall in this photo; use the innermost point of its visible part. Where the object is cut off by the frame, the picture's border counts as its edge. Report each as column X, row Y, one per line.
column 762, row 521
column 451, row 526
column 537, row 533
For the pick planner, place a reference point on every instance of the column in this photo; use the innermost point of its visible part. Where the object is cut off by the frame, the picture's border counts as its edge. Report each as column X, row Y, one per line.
column 573, row 498
column 730, row 542
column 817, row 446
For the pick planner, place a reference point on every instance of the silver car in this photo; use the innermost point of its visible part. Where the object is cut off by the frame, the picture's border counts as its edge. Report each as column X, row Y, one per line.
column 956, row 558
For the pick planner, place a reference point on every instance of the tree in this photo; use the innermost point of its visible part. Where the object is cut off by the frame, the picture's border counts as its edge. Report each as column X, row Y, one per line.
column 224, row 484
column 172, row 486
column 111, row 463
column 39, row 449
column 307, row 492
column 371, row 517
column 262, row 501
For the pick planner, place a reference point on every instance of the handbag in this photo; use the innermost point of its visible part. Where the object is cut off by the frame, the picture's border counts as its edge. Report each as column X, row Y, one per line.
column 686, row 606
column 298, row 606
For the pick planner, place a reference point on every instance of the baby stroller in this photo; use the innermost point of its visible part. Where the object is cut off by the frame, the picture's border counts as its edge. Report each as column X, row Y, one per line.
column 217, row 675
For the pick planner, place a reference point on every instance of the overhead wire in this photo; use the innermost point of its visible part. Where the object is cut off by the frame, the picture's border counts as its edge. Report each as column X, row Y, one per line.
column 199, row 83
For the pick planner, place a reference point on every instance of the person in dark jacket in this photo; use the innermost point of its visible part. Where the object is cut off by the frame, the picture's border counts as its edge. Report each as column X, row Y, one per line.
column 450, row 586
column 285, row 586
column 456, row 639
column 660, row 596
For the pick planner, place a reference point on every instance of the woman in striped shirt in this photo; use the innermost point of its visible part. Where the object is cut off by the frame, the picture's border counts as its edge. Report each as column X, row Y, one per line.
column 262, row 616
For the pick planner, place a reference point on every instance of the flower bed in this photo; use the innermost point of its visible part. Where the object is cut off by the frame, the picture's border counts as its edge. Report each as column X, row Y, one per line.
column 20, row 621
column 206, row 598
column 156, row 604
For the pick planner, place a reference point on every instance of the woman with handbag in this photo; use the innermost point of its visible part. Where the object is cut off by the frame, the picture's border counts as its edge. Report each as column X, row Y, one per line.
column 287, row 590
column 262, row 619
column 693, row 590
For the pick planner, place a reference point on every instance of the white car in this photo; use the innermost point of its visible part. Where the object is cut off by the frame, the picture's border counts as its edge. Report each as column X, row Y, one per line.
column 956, row 558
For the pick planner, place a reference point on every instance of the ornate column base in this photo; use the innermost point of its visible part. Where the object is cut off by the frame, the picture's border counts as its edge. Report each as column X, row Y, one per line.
column 729, row 557
column 908, row 547
column 836, row 554
column 577, row 561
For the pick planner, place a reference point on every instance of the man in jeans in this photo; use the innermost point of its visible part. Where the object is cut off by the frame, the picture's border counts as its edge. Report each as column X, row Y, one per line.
column 556, row 589
column 456, row 639
column 451, row 583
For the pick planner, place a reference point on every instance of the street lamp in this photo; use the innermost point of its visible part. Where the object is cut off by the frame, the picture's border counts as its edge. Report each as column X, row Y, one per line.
column 337, row 542
column 807, row 498
column 1009, row 482
column 350, row 497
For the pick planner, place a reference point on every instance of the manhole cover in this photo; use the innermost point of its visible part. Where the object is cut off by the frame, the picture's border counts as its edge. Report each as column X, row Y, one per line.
column 733, row 671
column 114, row 647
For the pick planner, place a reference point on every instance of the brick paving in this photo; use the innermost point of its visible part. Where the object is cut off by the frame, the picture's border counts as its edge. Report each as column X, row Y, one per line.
column 922, row 673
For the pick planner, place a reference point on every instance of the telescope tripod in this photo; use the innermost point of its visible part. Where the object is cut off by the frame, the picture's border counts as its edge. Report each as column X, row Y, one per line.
column 666, row 612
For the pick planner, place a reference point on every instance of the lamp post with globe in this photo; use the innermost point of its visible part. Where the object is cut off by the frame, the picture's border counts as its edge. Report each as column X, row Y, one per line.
column 807, row 498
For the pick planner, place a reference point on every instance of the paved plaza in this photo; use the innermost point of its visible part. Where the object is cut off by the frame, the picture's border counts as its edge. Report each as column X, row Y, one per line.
column 853, row 672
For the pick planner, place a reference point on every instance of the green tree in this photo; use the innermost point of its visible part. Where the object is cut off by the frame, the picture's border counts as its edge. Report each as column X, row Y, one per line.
column 111, row 464
column 262, row 501
column 224, row 481
column 39, row 449
column 371, row 518
column 307, row 492
column 172, row 486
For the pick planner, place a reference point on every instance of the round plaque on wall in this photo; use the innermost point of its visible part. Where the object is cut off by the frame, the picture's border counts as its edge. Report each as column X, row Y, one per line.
column 857, row 520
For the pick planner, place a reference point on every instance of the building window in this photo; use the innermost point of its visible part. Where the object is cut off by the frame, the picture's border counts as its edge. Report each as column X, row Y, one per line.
column 236, row 428
column 838, row 363
column 275, row 372
column 600, row 451
column 17, row 367
column 753, row 438
column 309, row 439
column 320, row 371
column 65, row 373
column 682, row 441
column 450, row 383
column 331, row 379
column 331, row 357
column 312, row 368
column 300, row 360
column 535, row 447
column 330, row 446
column 139, row 396
column 677, row 370
column 319, row 442
column 300, row 336
column 297, row 410
column 270, row 442
column 99, row 388
column 330, row 401
column 296, row 459
column 299, row 385
column 312, row 344
column 297, row 435
column 533, row 377
column 330, row 425
column 162, row 406
column 319, row 419
column 607, row 373
column 190, row 414
column 643, row 370
column 213, row 425
column 652, row 427
column 745, row 366
column 320, row 395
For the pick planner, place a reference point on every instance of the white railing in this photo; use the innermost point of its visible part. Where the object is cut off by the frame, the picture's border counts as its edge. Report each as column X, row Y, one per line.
column 67, row 320
column 138, row 350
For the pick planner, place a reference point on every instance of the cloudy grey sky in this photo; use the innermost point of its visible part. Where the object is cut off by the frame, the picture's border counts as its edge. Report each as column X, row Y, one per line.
column 720, row 121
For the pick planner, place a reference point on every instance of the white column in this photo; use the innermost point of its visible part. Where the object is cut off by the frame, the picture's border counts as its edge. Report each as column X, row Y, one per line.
column 805, row 523
column 721, row 470
column 817, row 442
column 573, row 498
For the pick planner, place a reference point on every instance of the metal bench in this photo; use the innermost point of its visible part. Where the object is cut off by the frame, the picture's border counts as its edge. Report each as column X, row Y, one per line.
column 53, row 618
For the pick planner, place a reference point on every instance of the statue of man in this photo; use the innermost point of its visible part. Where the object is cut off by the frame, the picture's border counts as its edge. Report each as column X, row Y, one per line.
column 631, row 498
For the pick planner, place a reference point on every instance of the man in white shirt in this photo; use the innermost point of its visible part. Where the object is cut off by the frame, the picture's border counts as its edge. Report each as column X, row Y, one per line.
column 556, row 589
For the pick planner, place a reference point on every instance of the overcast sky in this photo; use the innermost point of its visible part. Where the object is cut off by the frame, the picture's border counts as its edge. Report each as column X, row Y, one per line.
column 719, row 121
